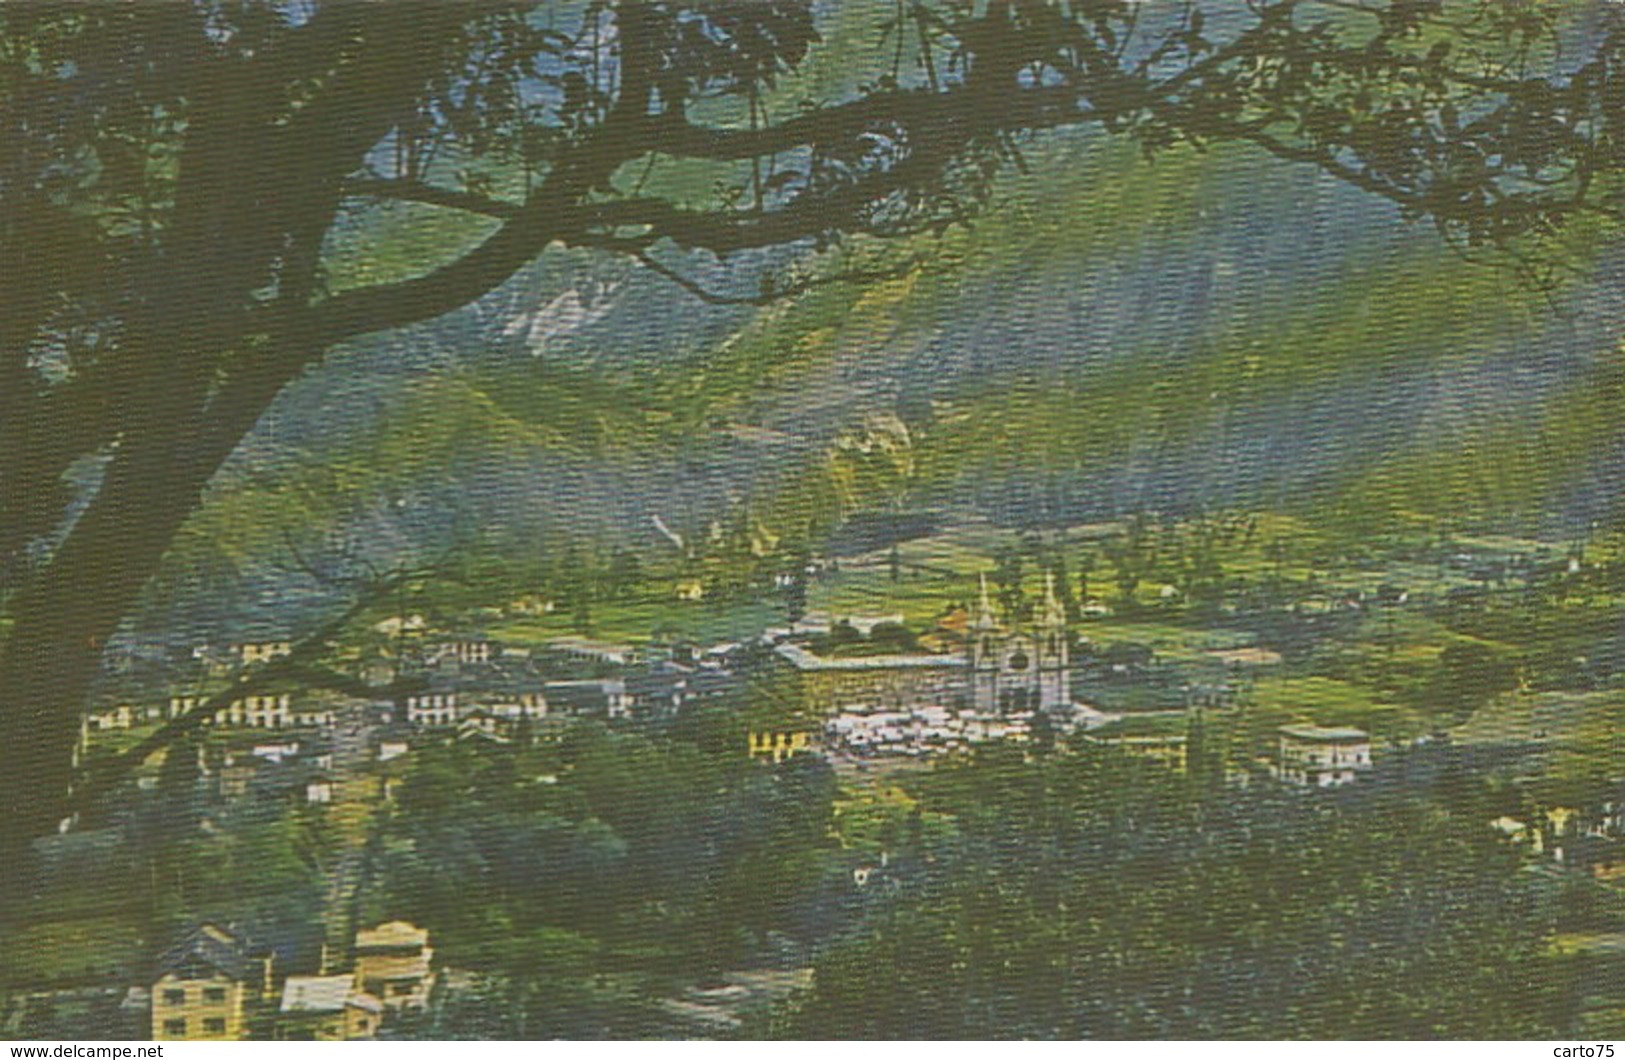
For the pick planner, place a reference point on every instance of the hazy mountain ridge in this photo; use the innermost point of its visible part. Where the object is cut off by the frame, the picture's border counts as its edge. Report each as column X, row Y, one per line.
column 1207, row 329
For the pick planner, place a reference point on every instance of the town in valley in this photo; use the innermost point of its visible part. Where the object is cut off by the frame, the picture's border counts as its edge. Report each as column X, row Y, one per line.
column 802, row 520
column 1240, row 660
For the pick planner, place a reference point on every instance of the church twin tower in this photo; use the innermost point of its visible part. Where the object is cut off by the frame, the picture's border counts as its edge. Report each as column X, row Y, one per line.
column 1020, row 668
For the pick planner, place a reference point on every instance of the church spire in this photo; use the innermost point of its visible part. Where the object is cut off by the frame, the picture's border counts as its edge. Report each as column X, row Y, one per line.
column 984, row 610
column 1054, row 613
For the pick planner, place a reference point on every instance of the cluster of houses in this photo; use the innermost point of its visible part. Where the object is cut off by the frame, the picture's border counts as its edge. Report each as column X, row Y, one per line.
column 508, row 690
column 973, row 679
column 312, row 745
column 1307, row 756
column 979, row 677
column 286, row 765
column 217, row 984
column 1589, row 839
column 466, row 682
column 259, row 711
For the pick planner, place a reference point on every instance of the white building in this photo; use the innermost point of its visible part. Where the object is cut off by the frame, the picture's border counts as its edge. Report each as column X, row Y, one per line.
column 468, row 651
column 588, row 698
column 432, row 708
column 122, row 716
column 1021, row 668
column 183, row 704
column 277, row 751
column 866, row 624
column 514, row 706
column 1315, row 757
column 257, row 712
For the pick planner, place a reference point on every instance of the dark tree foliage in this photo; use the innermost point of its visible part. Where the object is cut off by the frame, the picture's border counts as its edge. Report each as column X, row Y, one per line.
column 1091, row 895
column 172, row 174
column 587, row 877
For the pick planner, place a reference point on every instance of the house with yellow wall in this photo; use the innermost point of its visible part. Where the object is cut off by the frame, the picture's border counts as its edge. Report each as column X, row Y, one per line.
column 393, row 962
column 261, row 651
column 204, row 986
column 327, row 1008
column 779, row 745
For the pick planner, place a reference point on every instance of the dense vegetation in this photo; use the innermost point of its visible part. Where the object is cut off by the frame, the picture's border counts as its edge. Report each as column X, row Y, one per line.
column 99, row 904
column 1085, row 895
column 1078, row 893
column 592, row 874
column 144, row 143
column 1228, row 404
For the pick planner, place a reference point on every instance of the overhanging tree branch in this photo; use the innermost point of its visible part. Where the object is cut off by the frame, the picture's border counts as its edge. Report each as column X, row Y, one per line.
column 298, row 667
column 226, row 309
column 771, row 292
column 425, row 194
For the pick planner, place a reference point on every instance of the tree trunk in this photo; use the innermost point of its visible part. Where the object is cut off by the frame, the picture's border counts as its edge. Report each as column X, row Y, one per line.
column 63, row 620
column 254, row 200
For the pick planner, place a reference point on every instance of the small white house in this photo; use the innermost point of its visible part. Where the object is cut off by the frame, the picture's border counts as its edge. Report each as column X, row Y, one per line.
column 257, row 712
column 432, row 708
column 469, row 650
column 514, row 706
column 1315, row 757
column 277, row 751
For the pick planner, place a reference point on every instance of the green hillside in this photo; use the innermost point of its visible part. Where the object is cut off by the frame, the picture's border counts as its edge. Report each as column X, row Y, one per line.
column 1204, row 329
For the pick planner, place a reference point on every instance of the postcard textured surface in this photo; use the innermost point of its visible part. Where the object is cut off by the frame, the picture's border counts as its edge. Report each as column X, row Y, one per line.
column 740, row 519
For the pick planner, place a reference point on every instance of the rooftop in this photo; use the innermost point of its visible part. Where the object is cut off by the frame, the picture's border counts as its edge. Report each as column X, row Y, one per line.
column 1320, row 734
column 605, row 686
column 396, row 933
column 208, row 946
column 802, row 659
column 316, row 993
column 587, row 646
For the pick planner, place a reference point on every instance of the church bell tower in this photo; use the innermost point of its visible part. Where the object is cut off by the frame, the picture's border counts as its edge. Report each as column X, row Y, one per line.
column 986, row 645
column 1054, row 666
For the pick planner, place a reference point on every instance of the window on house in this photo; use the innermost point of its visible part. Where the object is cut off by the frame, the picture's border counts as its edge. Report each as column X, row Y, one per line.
column 215, row 994
column 401, row 989
column 214, row 1025
column 174, row 997
column 175, row 1028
